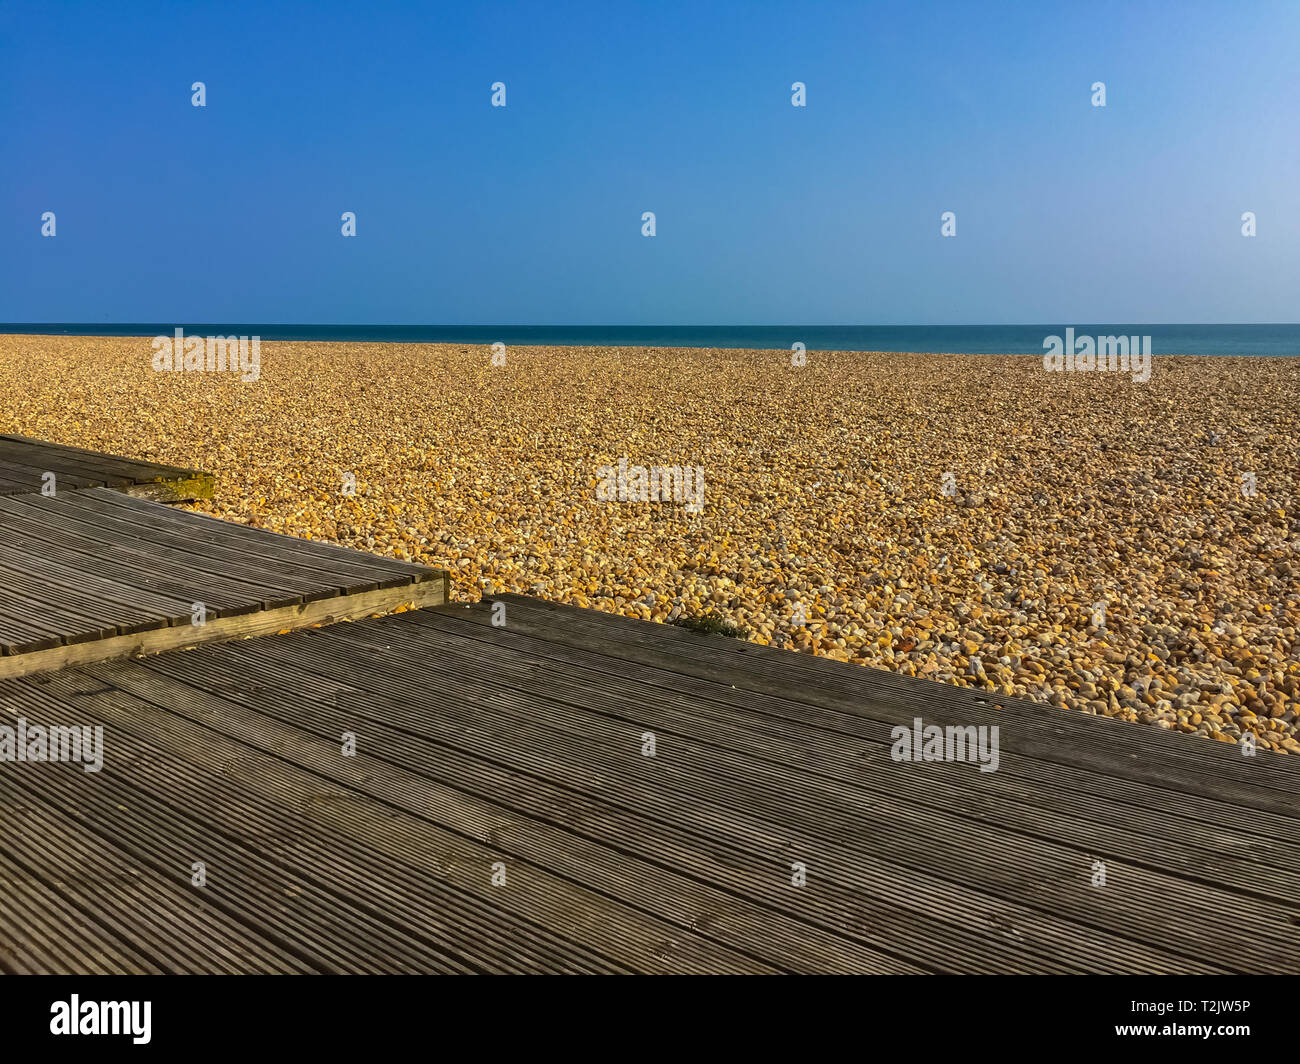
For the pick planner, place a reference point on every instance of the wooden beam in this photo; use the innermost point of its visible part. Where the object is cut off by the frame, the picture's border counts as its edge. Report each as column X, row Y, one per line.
column 224, row 629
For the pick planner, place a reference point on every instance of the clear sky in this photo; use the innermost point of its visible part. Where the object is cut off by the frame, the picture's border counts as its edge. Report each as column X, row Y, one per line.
column 766, row 213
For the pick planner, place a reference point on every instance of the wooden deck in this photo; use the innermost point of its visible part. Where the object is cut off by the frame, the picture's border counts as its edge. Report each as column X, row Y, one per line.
column 92, row 574
column 25, row 465
column 521, row 747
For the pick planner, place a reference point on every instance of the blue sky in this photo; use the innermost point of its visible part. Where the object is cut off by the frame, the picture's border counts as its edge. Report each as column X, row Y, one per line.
column 766, row 213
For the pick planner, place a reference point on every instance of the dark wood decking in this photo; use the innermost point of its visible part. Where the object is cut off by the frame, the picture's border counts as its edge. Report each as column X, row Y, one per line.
column 90, row 574
column 523, row 745
column 24, row 464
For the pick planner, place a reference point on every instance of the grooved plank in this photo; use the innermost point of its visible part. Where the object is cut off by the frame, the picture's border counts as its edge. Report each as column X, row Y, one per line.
column 372, row 569
column 484, row 795
column 80, row 544
column 1269, row 868
column 32, row 452
column 23, row 478
column 285, row 846
column 129, row 918
column 523, row 744
column 293, row 776
column 1039, row 755
column 194, row 547
column 1046, row 875
column 24, row 461
column 98, row 567
column 882, row 905
column 1268, row 781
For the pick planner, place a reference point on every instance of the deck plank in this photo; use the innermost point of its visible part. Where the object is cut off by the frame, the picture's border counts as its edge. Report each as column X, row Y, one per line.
column 1182, row 763
column 29, row 449
column 1043, row 872
column 522, row 744
column 95, row 566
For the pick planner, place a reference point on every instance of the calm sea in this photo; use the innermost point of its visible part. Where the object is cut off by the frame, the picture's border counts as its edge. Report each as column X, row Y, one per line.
column 1255, row 340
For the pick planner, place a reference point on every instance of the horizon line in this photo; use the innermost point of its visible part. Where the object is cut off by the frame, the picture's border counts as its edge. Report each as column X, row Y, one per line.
column 621, row 325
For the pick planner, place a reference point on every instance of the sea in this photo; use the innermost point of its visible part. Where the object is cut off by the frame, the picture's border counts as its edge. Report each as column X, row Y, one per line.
column 1224, row 340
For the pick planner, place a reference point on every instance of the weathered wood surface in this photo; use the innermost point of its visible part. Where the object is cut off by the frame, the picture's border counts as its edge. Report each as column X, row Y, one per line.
column 522, row 747
column 93, row 573
column 25, row 462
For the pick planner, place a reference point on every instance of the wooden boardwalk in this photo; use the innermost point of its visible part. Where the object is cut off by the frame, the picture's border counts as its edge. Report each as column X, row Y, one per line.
column 92, row 574
column 25, row 465
column 519, row 751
